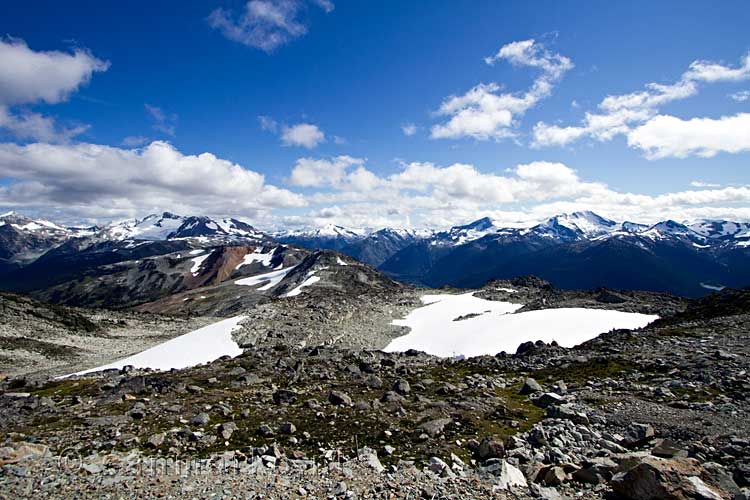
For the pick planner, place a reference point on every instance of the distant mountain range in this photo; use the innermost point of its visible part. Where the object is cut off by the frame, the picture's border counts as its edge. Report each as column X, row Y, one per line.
column 577, row 250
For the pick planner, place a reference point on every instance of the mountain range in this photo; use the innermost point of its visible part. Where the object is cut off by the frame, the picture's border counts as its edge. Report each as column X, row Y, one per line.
column 141, row 260
column 577, row 250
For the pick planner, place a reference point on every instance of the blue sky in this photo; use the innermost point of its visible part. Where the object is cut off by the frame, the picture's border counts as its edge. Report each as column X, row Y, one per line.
column 197, row 80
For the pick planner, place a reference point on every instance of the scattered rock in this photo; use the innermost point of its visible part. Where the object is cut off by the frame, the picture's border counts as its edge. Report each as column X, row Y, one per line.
column 530, row 386
column 339, row 398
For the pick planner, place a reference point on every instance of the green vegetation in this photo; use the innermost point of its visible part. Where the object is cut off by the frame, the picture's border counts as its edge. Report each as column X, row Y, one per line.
column 580, row 372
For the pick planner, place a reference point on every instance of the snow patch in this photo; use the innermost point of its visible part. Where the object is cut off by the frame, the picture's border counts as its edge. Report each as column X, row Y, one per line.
column 311, row 278
column 340, row 262
column 197, row 263
column 199, row 346
column 256, row 256
column 433, row 329
column 273, row 278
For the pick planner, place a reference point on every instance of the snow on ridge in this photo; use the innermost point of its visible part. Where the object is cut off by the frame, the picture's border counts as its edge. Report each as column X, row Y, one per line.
column 311, row 278
column 441, row 327
column 273, row 278
column 256, row 256
column 199, row 346
column 198, row 262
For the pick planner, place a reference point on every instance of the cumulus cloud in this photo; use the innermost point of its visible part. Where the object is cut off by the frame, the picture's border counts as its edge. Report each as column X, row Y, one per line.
column 486, row 113
column 311, row 172
column 29, row 77
column 741, row 96
column 27, row 125
column 428, row 195
column 669, row 136
column 305, row 135
column 265, row 24
column 95, row 180
column 619, row 114
column 162, row 121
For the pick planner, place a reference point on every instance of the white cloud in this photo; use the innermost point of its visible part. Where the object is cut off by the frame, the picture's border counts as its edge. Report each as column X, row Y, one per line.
column 409, row 129
column 265, row 24
column 484, row 113
column 619, row 114
column 100, row 182
column 701, row 184
column 326, row 5
column 27, row 125
column 311, row 172
column 134, row 141
column 268, row 124
column 305, row 135
column 96, row 180
column 741, row 96
column 708, row 71
column 162, row 121
column 429, row 195
column 668, row 136
column 28, row 77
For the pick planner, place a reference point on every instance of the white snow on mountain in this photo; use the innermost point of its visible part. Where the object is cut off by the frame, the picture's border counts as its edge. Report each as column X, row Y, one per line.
column 735, row 233
column 464, row 325
column 197, row 263
column 169, row 226
column 257, row 256
column 270, row 279
column 199, row 346
column 587, row 223
column 25, row 224
column 152, row 227
column 329, row 231
column 310, row 279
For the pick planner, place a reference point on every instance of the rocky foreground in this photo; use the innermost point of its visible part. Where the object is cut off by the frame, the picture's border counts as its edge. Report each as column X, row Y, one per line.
column 656, row 413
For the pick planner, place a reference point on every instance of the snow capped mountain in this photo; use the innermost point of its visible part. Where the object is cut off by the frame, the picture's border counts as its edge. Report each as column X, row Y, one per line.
column 670, row 229
column 327, row 231
column 168, row 226
column 575, row 226
column 731, row 233
column 23, row 239
column 459, row 235
column 633, row 227
column 329, row 237
column 40, row 227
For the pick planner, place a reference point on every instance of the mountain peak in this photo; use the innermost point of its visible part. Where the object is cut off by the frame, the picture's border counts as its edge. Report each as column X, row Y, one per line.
column 478, row 225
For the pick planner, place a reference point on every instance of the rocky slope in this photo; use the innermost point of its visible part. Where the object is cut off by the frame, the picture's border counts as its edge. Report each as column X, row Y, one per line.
column 38, row 339
column 660, row 412
column 140, row 280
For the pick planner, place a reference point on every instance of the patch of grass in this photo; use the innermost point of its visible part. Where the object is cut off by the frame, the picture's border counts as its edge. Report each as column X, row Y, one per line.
column 66, row 387
column 46, row 349
column 580, row 372
column 677, row 333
